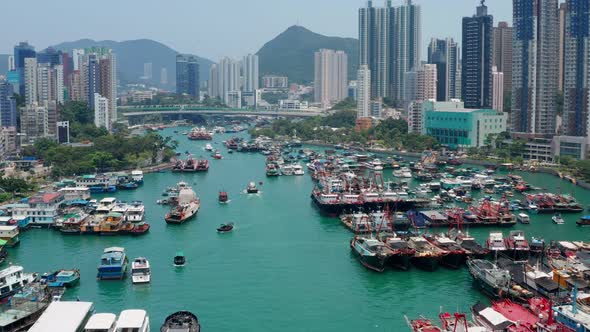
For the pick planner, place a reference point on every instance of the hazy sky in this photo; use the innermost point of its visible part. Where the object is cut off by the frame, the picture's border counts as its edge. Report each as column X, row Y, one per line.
column 210, row 28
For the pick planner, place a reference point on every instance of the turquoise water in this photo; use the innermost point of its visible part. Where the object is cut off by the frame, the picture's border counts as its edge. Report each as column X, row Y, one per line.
column 284, row 268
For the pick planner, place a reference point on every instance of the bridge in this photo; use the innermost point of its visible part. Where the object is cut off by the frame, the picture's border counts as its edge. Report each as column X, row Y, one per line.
column 176, row 112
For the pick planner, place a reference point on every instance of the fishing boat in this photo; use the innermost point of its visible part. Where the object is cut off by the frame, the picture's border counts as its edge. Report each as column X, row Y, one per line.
column 523, row 218
column 426, row 255
column 13, row 279
column 402, row 253
column 140, row 271
column 187, row 208
column 113, row 264
column 140, row 228
column 223, row 197
column 472, row 248
column 583, row 221
column 558, row 219
column 202, row 165
column 373, row 254
column 517, row 245
column 181, row 321
column 423, row 325
column 66, row 278
column 225, row 228
column 489, row 277
column 455, row 254
column 537, row 246
column 495, row 243
column 272, row 170
column 252, row 189
column 179, row 259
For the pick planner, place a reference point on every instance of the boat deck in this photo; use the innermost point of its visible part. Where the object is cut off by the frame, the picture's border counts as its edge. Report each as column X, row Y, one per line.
column 11, row 316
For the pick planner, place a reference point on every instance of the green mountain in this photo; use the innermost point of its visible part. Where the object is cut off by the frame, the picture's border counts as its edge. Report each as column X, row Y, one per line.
column 292, row 54
column 132, row 54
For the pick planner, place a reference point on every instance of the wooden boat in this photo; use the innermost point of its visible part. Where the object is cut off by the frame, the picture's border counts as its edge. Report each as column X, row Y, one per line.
column 181, row 321
column 225, row 228
column 179, row 259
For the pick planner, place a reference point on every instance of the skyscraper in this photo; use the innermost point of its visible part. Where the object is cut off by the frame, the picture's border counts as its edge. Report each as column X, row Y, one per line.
column 213, row 84
column 147, row 71
column 22, row 51
column 502, row 53
column 92, row 78
column 250, row 72
column 389, row 44
column 11, row 63
column 7, row 105
column 476, row 77
column 421, row 83
column 561, row 55
column 497, row 90
column 164, row 76
column 576, row 112
column 49, row 55
column 407, row 38
column 331, row 76
column 187, row 75
column 444, row 53
column 30, row 80
column 534, row 66
column 363, row 96
column 229, row 77
column 43, row 83
column 101, row 111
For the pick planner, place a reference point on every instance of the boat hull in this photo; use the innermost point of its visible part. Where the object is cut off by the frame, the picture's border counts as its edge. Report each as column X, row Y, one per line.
column 453, row 260
column 400, row 261
column 427, row 263
column 373, row 263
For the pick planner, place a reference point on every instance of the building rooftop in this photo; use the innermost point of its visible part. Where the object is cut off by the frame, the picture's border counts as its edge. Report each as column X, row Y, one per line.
column 46, row 198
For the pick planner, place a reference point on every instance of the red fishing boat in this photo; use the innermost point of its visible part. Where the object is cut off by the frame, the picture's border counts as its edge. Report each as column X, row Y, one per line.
column 140, row 228
column 202, row 165
column 423, row 325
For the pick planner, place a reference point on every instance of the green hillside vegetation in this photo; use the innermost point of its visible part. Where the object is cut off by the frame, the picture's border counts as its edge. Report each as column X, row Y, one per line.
column 292, row 54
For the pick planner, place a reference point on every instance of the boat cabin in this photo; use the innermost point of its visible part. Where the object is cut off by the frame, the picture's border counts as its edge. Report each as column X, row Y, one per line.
column 10, row 234
column 101, row 323
column 133, row 321
column 64, row 316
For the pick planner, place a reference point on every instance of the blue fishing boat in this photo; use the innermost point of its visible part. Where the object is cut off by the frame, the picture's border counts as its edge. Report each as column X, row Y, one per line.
column 66, row 278
column 113, row 264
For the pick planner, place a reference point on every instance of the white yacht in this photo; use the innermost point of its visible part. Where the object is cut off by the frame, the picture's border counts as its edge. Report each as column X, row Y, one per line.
column 101, row 323
column 106, row 205
column 209, row 147
column 133, row 320
column 12, row 279
column 287, row 170
column 140, row 271
column 136, row 212
column 298, row 170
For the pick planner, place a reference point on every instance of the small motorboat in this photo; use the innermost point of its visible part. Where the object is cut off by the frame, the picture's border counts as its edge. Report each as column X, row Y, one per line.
column 584, row 221
column 208, row 147
column 252, row 189
column 65, row 278
column 181, row 321
column 225, row 228
column 179, row 259
column 223, row 197
column 217, row 155
column 558, row 219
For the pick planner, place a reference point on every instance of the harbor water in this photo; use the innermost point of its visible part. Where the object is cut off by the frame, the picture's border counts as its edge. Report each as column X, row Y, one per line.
column 283, row 268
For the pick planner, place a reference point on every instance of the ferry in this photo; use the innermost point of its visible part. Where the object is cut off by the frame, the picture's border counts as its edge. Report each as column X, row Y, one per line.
column 103, row 322
column 133, row 320
column 187, row 208
column 184, row 321
column 140, row 271
column 136, row 212
column 13, row 279
column 113, row 264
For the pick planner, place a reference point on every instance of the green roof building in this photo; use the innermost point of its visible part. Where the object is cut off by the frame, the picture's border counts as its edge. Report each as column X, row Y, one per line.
column 455, row 126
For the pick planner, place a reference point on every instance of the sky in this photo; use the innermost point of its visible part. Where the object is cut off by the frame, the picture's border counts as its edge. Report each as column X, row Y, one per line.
column 214, row 28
